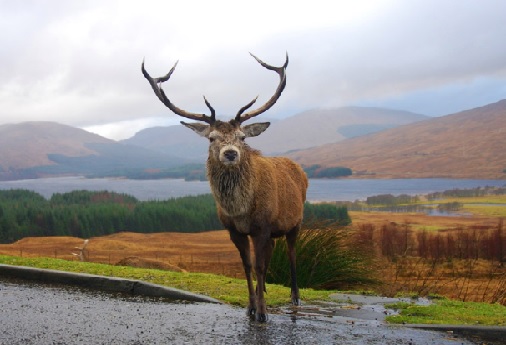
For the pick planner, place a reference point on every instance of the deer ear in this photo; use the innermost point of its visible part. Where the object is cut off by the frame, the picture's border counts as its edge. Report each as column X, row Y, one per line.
column 199, row 128
column 255, row 129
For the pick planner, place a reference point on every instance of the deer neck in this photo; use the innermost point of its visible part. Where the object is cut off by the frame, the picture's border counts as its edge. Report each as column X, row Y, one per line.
column 232, row 185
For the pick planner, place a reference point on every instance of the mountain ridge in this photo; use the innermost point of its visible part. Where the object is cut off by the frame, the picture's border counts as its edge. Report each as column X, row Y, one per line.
column 42, row 148
column 468, row 144
column 310, row 128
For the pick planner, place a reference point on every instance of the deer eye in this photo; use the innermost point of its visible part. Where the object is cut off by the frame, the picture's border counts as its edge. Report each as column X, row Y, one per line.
column 213, row 137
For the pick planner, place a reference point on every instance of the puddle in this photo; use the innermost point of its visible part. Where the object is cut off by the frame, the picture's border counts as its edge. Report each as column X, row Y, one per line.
column 349, row 306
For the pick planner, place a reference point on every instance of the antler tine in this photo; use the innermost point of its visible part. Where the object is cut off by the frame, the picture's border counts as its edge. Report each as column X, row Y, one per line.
column 281, row 71
column 213, row 112
column 156, row 85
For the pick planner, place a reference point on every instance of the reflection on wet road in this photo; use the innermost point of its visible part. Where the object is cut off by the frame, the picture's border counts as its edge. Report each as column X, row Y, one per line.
column 42, row 314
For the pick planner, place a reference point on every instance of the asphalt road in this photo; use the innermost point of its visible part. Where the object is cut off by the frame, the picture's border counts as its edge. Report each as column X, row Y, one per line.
column 34, row 313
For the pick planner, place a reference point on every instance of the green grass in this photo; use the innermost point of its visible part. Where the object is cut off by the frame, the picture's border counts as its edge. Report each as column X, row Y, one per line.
column 486, row 210
column 234, row 292
column 229, row 290
column 430, row 228
column 450, row 312
column 489, row 205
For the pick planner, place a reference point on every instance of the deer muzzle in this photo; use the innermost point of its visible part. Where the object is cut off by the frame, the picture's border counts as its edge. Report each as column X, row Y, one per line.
column 229, row 155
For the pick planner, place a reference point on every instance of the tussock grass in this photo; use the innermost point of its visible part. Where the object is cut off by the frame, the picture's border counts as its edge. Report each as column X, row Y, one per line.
column 325, row 259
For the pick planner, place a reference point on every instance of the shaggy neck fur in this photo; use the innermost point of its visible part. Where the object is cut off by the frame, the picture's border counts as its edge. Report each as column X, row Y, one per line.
column 232, row 185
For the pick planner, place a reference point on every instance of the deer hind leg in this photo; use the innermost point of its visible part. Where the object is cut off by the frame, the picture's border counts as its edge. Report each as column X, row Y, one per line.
column 291, row 238
column 263, row 252
column 268, row 256
column 242, row 244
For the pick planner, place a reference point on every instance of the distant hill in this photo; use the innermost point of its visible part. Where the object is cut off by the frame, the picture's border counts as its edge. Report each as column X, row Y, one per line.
column 308, row 129
column 372, row 142
column 28, row 144
column 468, row 144
column 35, row 149
column 177, row 141
column 323, row 126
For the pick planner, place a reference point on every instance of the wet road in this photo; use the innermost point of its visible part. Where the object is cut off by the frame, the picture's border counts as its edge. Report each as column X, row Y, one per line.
column 45, row 314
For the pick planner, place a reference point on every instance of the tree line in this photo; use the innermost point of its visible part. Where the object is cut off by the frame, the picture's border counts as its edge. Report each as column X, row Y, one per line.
column 467, row 193
column 87, row 214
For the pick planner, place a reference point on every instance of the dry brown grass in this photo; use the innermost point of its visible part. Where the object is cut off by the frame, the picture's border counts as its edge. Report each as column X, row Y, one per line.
column 210, row 252
column 420, row 220
column 465, row 280
column 213, row 252
column 469, row 278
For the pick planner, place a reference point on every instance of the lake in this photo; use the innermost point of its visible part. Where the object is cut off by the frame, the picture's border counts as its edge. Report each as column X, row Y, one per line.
column 319, row 189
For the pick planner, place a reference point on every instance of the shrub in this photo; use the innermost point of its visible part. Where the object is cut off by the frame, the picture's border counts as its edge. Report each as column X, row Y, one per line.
column 324, row 261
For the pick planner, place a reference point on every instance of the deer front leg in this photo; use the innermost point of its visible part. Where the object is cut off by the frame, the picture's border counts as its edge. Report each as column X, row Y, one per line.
column 291, row 238
column 242, row 244
column 263, row 251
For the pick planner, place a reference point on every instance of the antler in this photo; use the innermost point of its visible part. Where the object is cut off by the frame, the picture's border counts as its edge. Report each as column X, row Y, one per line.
column 281, row 71
column 156, row 85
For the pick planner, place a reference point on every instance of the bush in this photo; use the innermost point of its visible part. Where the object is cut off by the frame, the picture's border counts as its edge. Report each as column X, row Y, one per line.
column 324, row 261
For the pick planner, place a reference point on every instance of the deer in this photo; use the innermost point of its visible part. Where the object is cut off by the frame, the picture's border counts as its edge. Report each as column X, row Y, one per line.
column 257, row 197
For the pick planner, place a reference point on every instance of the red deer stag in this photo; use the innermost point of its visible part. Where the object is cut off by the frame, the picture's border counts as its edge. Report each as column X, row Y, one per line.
column 256, row 196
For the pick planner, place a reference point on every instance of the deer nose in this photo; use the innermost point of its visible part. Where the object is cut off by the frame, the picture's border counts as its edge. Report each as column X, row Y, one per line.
column 230, row 155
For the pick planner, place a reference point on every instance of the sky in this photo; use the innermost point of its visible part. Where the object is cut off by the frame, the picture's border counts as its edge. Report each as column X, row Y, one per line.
column 77, row 62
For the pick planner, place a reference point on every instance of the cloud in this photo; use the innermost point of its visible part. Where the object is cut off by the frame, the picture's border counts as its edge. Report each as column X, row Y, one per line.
column 79, row 62
column 126, row 129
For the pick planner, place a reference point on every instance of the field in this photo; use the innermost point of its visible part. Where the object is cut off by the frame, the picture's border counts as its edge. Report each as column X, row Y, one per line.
column 207, row 252
column 465, row 278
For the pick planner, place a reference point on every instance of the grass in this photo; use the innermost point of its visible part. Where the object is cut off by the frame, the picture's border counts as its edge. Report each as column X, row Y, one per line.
column 233, row 291
column 449, row 312
column 229, row 290
column 489, row 205
column 323, row 259
column 485, row 210
column 430, row 228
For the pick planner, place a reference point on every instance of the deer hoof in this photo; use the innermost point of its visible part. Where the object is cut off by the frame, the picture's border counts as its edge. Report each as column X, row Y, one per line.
column 261, row 317
column 296, row 301
column 251, row 311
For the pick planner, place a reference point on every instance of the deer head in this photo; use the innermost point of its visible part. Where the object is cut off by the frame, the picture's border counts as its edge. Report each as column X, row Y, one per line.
column 226, row 138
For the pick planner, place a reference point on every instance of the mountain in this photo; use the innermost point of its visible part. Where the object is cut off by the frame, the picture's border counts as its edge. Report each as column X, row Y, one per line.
column 178, row 141
column 35, row 149
column 28, row 144
column 308, row 129
column 468, row 144
column 323, row 126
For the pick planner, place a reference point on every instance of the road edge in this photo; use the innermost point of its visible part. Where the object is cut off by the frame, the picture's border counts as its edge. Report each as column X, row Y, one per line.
column 102, row 283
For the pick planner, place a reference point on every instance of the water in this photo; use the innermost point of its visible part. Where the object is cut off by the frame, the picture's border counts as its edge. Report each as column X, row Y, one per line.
column 319, row 190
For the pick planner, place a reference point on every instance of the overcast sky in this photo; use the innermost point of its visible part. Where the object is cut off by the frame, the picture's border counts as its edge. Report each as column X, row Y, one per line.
column 78, row 62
